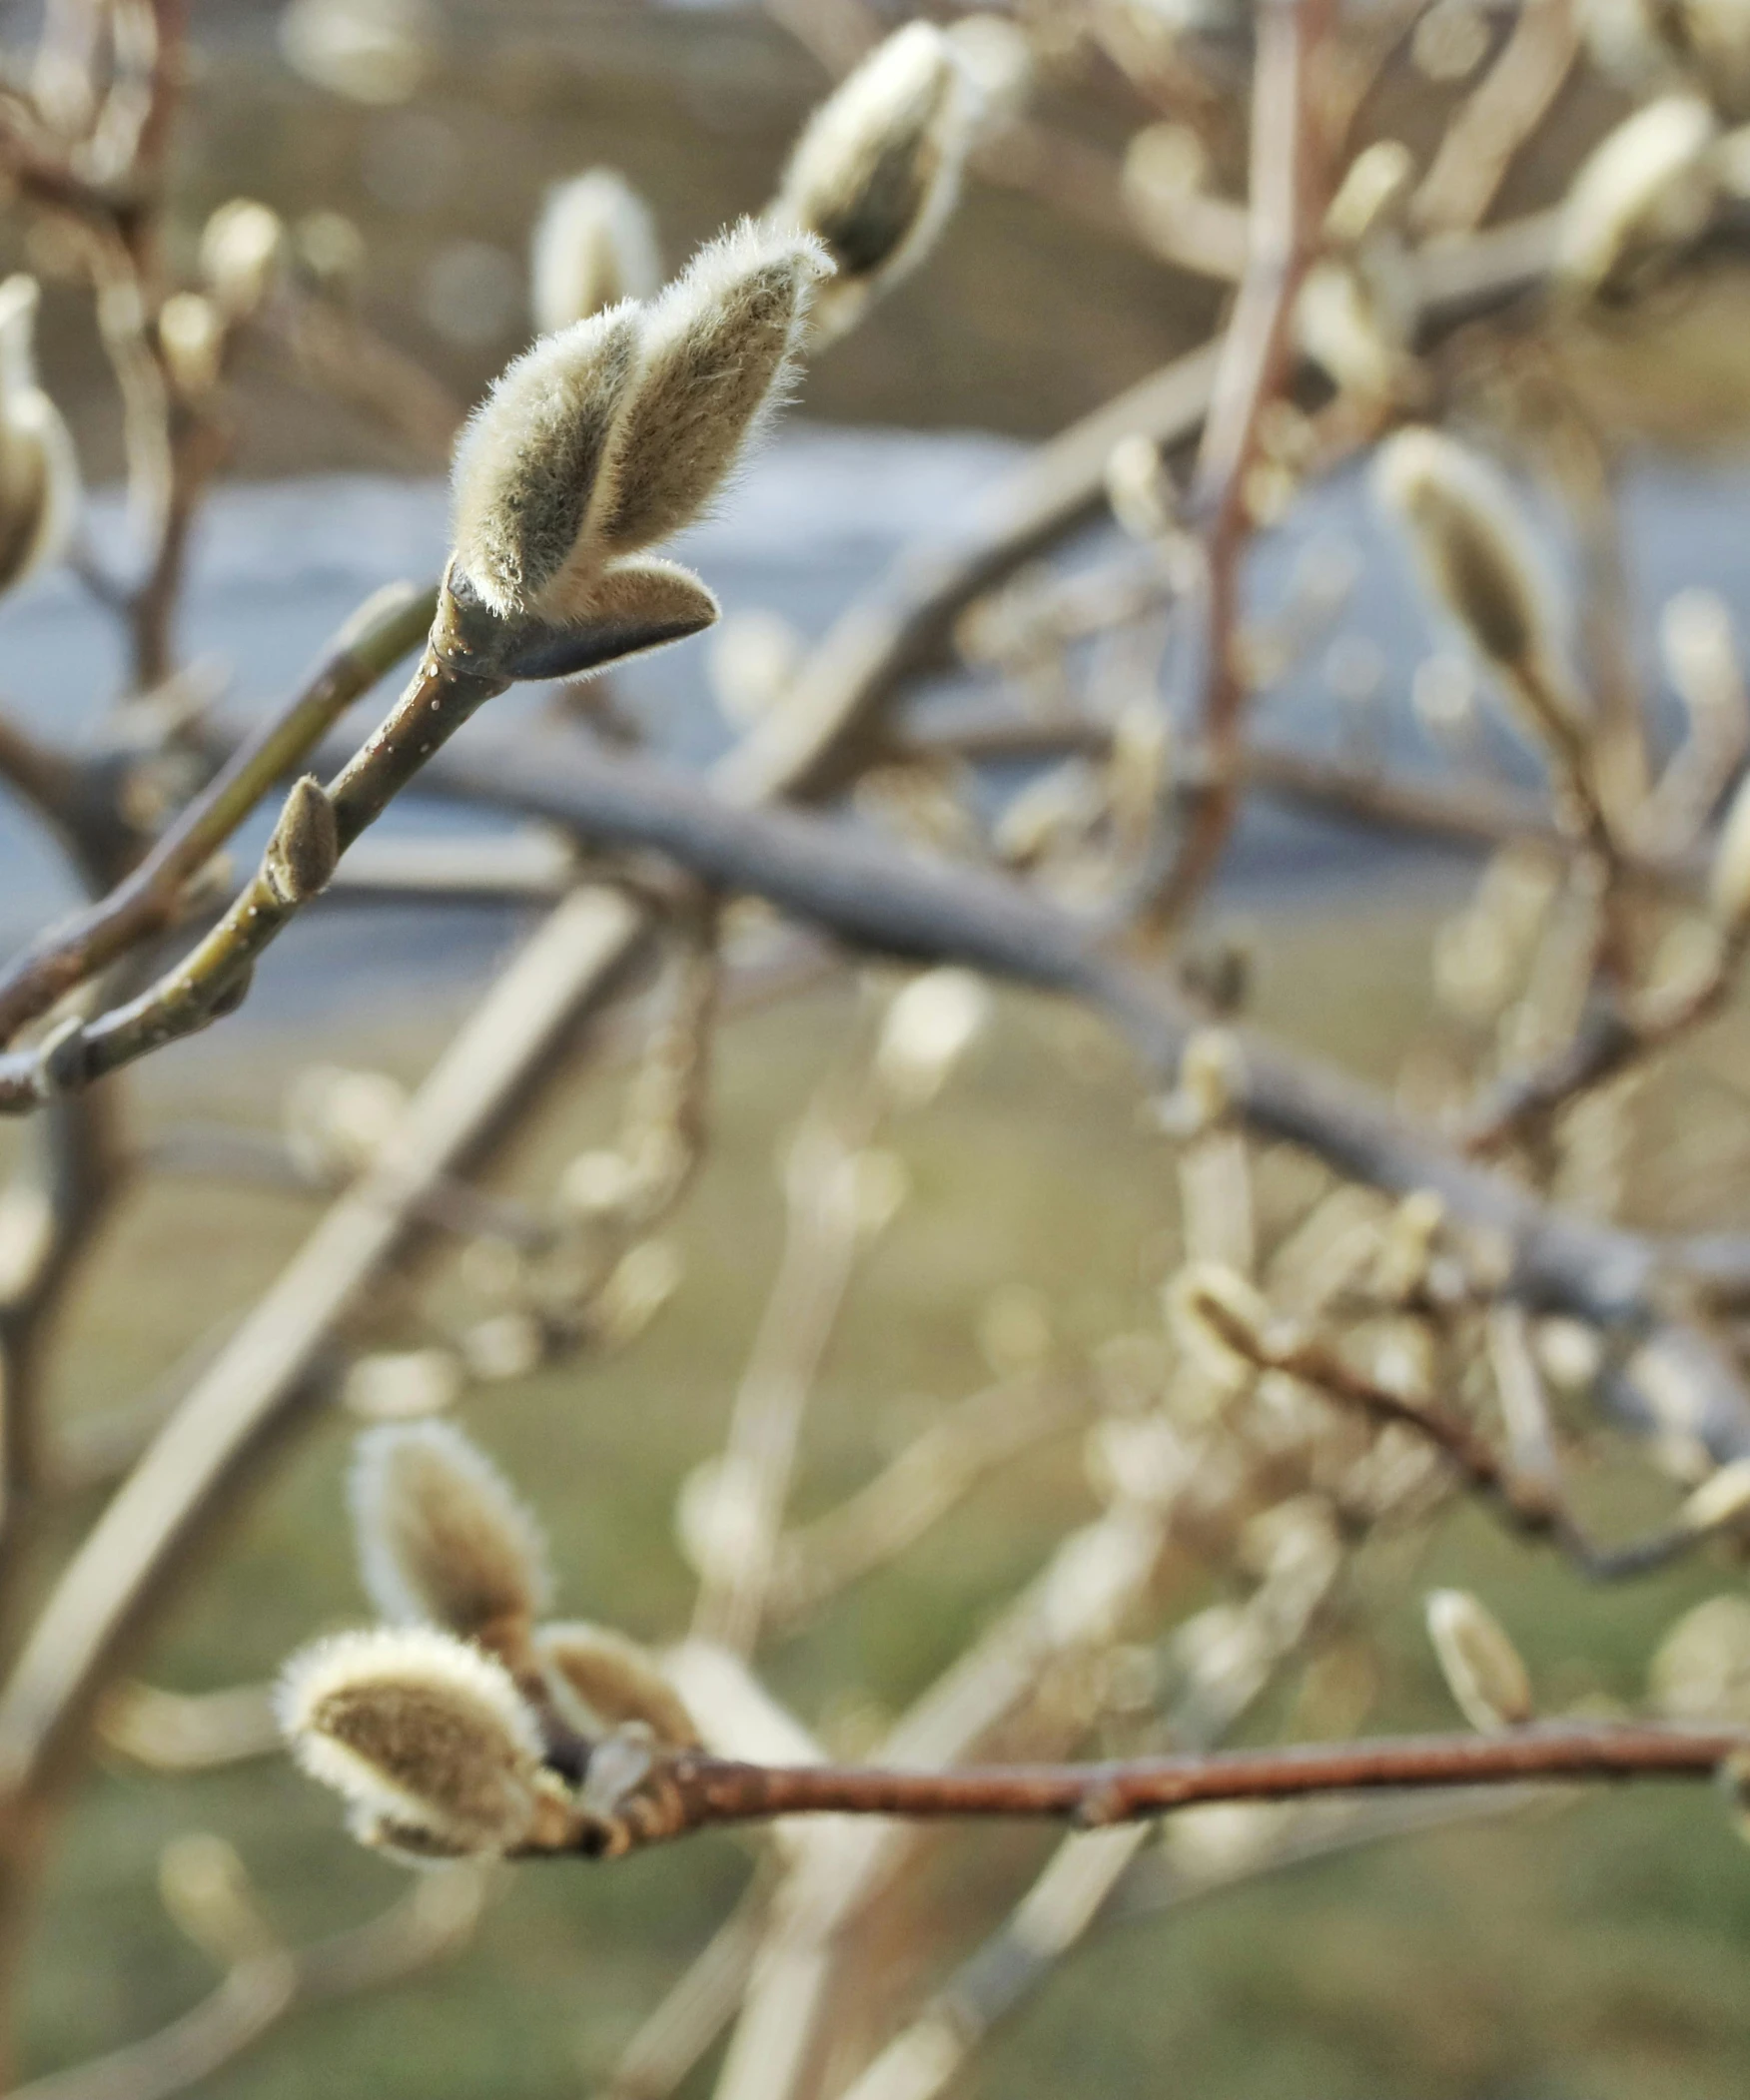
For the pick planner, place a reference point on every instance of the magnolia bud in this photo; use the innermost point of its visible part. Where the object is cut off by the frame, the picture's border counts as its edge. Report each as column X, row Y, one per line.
column 594, row 245
column 422, row 1733
column 601, row 1681
column 242, row 248
column 1370, row 194
column 397, row 1385
column 1482, row 1668
column 877, row 170
column 1220, row 1321
column 441, row 1536
column 1476, row 557
column 39, row 473
column 1701, row 1669
column 619, row 431
column 305, row 849
column 1641, row 194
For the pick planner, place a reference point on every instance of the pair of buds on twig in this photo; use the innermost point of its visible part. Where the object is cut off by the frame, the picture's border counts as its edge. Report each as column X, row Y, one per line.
column 467, row 1725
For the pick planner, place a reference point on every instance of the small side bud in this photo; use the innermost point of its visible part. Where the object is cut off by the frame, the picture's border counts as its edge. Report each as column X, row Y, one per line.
column 1140, row 488
column 1729, row 878
column 602, row 1680
column 305, row 849
column 1371, row 194
column 242, row 249
column 1700, row 1671
column 1641, row 195
column 594, row 246
column 640, row 605
column 441, row 1536
column 419, row 1733
column 1482, row 1666
column 876, row 171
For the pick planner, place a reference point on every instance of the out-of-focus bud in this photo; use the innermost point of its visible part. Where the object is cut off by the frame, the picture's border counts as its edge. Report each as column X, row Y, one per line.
column 419, row 1731
column 1641, row 196
column 1700, row 653
column 1163, row 165
column 1220, row 1321
column 998, row 60
column 603, row 1681
column 337, row 1121
column 1451, row 41
column 1701, row 1669
column 508, row 1345
column 1209, row 1070
column 331, row 251
column 929, row 1028
column 191, row 335
column 441, row 1538
column 594, row 245
column 643, row 1280
column 242, row 249
column 1477, row 559
column 597, row 1184
column 1729, row 878
column 1372, row 193
column 1140, row 488
column 305, row 849
column 401, row 1385
column 1722, row 1500
column 619, row 431
column 372, row 51
column 1482, row 1668
column 715, row 1517
column 876, row 172
column 1407, row 1246
column 753, row 657
column 1358, row 339
column 39, row 473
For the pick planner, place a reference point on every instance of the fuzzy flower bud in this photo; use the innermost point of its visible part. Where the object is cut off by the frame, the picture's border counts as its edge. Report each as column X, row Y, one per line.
column 602, row 1680
column 39, row 473
column 1478, row 560
column 243, row 247
column 876, row 172
column 305, row 849
column 619, row 431
column 441, row 1538
column 594, row 245
column 1643, row 193
column 1482, row 1668
column 1220, row 1321
column 421, row 1733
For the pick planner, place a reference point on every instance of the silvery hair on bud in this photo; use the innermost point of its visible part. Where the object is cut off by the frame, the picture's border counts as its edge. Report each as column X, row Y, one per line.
column 418, row 1731
column 876, row 171
column 617, row 431
column 594, row 245
column 601, row 1681
column 1482, row 1668
column 305, row 849
column 1471, row 545
column 39, row 472
column 1643, row 193
column 441, row 1538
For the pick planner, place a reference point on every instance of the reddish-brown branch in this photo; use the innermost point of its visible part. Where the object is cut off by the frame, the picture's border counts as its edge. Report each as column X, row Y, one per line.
column 695, row 1792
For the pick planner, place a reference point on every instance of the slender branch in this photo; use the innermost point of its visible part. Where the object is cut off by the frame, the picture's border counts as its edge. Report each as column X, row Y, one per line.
column 695, row 1792
column 148, row 902
column 1287, row 198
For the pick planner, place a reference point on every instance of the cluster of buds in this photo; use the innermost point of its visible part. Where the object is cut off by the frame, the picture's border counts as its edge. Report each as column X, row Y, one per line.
column 464, row 1726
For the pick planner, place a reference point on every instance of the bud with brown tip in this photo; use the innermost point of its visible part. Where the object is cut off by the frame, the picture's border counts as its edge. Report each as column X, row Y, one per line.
column 305, row 849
